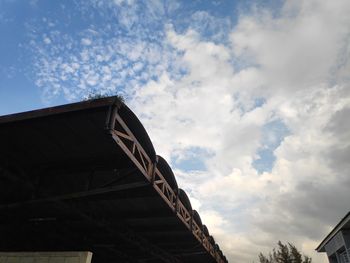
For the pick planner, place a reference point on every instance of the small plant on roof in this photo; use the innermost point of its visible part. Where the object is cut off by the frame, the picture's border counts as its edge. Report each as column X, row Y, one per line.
column 94, row 96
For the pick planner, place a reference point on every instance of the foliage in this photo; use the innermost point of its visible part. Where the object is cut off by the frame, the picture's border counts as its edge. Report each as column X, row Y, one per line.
column 94, row 96
column 284, row 254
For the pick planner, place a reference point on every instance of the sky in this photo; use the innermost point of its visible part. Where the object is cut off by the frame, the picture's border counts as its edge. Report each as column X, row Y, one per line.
column 248, row 101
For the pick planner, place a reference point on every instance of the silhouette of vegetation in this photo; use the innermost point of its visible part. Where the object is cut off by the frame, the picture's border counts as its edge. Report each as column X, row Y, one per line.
column 285, row 253
column 94, row 96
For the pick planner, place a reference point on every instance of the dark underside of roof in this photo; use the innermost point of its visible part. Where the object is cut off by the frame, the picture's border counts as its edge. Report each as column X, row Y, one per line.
column 66, row 185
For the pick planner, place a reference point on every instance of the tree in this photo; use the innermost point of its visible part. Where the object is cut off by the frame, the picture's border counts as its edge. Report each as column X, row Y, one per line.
column 284, row 254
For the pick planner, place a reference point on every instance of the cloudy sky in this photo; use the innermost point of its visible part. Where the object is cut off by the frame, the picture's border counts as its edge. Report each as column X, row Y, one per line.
column 249, row 101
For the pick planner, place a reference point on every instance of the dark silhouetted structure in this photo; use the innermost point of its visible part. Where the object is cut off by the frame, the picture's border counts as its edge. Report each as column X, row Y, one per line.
column 85, row 177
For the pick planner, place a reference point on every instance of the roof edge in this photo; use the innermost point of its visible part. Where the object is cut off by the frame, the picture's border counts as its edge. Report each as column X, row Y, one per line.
column 335, row 230
column 81, row 105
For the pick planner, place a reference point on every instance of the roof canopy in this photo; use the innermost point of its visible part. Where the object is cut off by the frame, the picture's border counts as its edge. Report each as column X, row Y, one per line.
column 85, row 176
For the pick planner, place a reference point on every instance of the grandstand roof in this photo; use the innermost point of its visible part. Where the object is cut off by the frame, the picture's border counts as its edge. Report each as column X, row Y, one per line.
column 85, row 176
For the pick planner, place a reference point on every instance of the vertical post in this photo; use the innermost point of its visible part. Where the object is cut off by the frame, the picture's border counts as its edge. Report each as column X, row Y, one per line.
column 111, row 115
column 176, row 202
column 110, row 120
column 191, row 221
column 154, row 167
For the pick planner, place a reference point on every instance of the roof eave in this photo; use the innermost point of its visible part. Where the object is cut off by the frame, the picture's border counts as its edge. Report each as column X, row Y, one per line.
column 88, row 104
column 335, row 230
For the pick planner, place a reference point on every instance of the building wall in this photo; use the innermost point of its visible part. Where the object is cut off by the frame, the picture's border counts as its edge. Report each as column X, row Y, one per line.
column 338, row 250
column 45, row 257
column 346, row 235
column 335, row 244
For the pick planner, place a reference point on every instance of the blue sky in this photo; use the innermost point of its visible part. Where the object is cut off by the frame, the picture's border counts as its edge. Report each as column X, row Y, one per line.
column 247, row 100
column 27, row 23
column 61, row 29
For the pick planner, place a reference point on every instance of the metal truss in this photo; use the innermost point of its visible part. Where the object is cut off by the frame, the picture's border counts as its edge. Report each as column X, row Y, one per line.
column 127, row 141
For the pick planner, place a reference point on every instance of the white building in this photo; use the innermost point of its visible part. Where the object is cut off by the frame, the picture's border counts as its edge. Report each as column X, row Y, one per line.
column 337, row 243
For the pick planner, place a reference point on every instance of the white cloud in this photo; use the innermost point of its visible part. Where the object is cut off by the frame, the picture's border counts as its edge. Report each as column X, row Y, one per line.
column 194, row 91
column 47, row 40
column 86, row 41
column 292, row 61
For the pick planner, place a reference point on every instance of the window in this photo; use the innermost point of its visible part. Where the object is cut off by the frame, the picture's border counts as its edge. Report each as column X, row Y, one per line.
column 343, row 257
